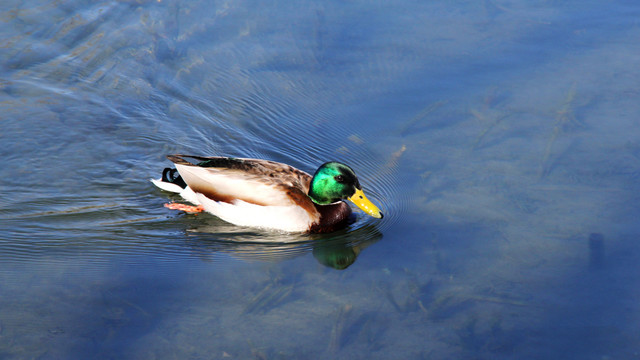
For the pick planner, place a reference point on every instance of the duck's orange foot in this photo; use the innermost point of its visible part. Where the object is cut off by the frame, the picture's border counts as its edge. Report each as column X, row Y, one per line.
column 190, row 209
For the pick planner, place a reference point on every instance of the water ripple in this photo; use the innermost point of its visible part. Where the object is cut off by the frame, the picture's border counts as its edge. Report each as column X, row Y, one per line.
column 117, row 101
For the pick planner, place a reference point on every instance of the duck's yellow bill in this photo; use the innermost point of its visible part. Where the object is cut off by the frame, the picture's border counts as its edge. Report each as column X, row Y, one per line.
column 365, row 205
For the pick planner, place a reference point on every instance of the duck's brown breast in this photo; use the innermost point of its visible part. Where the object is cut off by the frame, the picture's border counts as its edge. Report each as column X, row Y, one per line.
column 332, row 217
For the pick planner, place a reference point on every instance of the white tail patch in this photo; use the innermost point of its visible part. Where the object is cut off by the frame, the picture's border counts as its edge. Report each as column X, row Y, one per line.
column 186, row 193
column 166, row 186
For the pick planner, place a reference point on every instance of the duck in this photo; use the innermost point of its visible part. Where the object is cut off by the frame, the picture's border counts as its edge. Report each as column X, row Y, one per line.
column 266, row 194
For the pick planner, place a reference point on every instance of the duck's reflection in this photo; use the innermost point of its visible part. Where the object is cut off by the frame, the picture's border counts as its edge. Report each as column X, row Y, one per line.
column 337, row 250
column 340, row 254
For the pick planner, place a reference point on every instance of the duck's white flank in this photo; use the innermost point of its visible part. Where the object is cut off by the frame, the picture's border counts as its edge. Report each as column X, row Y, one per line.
column 286, row 218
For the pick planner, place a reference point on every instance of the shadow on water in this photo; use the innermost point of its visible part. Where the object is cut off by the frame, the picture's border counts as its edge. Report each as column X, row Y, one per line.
column 593, row 307
column 588, row 313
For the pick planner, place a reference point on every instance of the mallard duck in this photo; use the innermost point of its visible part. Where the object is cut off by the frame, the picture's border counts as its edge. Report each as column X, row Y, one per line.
column 266, row 194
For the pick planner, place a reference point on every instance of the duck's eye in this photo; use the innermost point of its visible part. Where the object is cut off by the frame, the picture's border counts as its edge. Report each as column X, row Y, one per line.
column 340, row 179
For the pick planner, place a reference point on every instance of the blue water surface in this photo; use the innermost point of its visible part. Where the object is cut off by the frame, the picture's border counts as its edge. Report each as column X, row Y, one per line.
column 500, row 137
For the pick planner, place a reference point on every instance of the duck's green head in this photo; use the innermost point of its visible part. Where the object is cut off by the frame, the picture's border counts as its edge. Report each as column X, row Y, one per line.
column 334, row 181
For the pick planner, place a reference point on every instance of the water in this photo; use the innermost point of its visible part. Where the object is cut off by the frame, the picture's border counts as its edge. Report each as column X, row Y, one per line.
column 501, row 139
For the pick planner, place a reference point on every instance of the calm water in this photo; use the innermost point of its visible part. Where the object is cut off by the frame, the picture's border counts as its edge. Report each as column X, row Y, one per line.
column 501, row 138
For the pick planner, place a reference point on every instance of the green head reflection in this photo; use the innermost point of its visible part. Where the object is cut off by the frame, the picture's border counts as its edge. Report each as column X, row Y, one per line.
column 337, row 256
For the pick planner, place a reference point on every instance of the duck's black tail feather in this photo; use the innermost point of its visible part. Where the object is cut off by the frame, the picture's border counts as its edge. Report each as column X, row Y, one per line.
column 169, row 175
